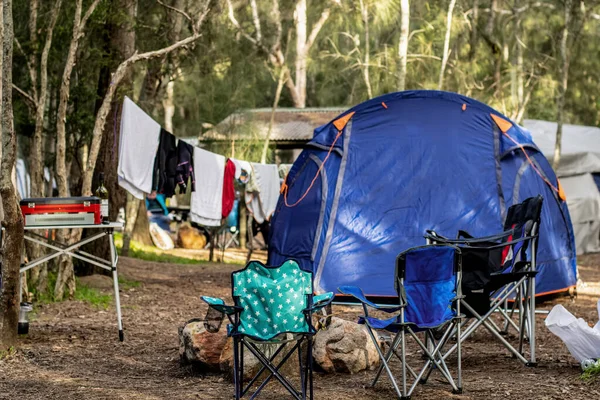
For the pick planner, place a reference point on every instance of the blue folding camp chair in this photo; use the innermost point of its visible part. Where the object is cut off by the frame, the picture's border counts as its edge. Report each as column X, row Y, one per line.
column 428, row 285
column 499, row 268
column 272, row 305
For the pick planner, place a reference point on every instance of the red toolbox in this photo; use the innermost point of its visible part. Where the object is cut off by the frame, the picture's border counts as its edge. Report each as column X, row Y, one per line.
column 58, row 211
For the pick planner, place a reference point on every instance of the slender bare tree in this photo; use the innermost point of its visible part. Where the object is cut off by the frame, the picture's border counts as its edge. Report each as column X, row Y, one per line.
column 403, row 44
column 66, row 275
column 275, row 55
column 364, row 12
column 446, row 43
column 562, row 88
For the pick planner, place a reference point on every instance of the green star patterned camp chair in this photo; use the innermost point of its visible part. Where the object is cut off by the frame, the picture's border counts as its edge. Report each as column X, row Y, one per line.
column 272, row 305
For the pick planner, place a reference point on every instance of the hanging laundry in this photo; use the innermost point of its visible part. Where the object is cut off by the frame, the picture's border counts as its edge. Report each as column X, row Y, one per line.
column 137, row 149
column 228, row 188
column 165, row 165
column 207, row 200
column 262, row 192
column 185, row 166
column 243, row 169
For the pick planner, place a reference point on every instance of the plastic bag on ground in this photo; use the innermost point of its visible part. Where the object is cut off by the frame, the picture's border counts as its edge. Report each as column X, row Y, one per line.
column 582, row 341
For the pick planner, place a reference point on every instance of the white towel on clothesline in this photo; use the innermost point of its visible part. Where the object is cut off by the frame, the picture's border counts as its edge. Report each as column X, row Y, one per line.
column 207, row 200
column 137, row 150
column 262, row 203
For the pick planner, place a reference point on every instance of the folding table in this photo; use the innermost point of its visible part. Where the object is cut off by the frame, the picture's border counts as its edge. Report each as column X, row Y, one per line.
column 73, row 251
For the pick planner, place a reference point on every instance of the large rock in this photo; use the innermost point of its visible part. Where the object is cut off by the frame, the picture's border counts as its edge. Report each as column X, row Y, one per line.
column 344, row 346
column 201, row 348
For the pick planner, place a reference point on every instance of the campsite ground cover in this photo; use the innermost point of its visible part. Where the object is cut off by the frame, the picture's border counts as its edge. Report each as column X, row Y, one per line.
column 72, row 351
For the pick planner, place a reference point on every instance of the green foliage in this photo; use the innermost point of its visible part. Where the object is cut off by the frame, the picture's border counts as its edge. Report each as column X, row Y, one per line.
column 93, row 296
column 591, row 374
column 150, row 253
column 125, row 283
column 83, row 293
column 8, row 353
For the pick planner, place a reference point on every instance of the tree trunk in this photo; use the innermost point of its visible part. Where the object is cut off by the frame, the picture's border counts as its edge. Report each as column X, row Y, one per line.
column 280, row 80
column 364, row 11
column 474, row 27
column 446, row 43
column 66, row 276
column 131, row 215
column 403, row 44
column 562, row 88
column 301, row 52
column 121, row 46
column 141, row 228
column 13, row 244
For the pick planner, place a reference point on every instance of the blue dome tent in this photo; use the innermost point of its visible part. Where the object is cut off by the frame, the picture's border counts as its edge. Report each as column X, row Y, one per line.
column 370, row 183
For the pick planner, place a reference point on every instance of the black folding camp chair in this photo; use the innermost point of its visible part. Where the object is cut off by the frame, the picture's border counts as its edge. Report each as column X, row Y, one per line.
column 499, row 270
column 273, row 305
column 428, row 285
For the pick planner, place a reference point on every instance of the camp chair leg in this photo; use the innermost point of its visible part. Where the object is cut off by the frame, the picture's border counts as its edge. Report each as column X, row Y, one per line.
column 301, row 366
column 403, row 352
column 388, row 356
column 271, row 359
column 310, row 366
column 273, row 371
column 484, row 322
column 241, row 362
column 279, row 365
column 479, row 320
column 524, row 317
column 384, row 362
column 435, row 357
column 236, row 372
column 532, row 360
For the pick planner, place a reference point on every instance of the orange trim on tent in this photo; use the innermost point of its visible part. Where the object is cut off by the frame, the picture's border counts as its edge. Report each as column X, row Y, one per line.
column 341, row 123
column 384, row 105
column 556, row 291
column 532, row 164
column 464, row 106
column 503, row 124
column 561, row 192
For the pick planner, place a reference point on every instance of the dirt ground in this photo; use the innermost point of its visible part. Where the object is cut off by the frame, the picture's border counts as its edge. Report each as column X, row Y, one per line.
column 72, row 351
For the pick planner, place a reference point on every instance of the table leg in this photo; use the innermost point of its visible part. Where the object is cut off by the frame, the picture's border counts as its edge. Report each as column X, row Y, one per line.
column 113, row 261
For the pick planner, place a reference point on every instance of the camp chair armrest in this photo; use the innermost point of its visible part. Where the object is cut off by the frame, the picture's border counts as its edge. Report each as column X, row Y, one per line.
column 358, row 294
column 320, row 301
column 219, row 305
column 434, row 236
column 466, row 241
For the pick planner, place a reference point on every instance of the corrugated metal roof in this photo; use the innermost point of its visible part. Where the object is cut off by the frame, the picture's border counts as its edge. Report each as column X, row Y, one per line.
column 291, row 124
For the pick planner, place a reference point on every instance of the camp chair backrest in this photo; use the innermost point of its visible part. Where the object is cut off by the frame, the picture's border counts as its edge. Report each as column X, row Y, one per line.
column 524, row 218
column 429, row 285
column 272, row 298
column 518, row 215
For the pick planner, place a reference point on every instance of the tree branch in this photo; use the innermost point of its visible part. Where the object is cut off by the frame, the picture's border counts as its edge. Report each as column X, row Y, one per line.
column 30, row 68
column 26, row 95
column 256, row 20
column 117, row 77
column 88, row 14
column 276, row 14
column 177, row 10
column 317, row 28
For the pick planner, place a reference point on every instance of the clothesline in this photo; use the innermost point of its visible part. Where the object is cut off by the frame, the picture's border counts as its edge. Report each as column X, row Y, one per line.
column 153, row 160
